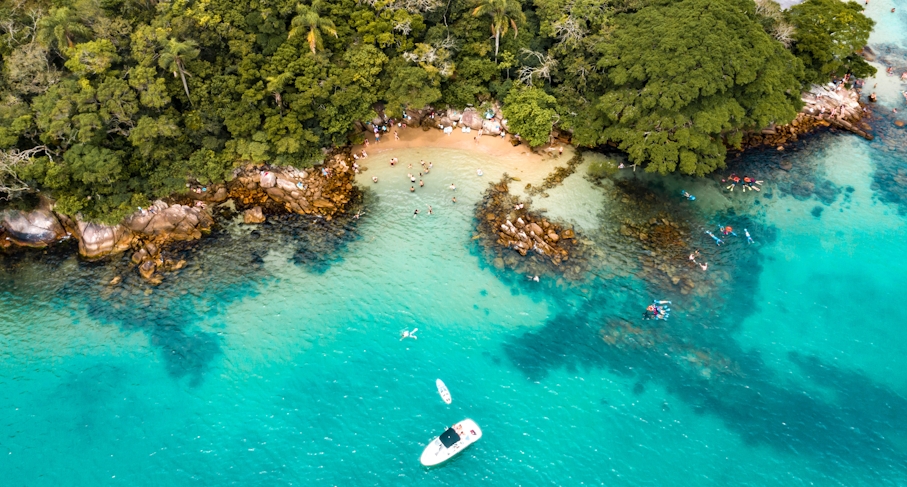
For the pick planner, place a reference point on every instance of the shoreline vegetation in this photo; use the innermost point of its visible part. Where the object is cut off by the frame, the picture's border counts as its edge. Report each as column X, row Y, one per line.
column 122, row 123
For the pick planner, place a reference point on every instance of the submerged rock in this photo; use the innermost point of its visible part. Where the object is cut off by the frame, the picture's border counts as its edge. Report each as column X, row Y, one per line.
column 253, row 215
column 522, row 240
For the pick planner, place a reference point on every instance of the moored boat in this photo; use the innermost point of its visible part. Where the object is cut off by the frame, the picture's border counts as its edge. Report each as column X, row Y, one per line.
column 451, row 442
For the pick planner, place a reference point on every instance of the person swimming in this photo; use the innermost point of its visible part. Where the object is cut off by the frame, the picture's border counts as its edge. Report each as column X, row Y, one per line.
column 657, row 311
column 717, row 240
column 453, row 187
column 705, row 266
column 374, row 179
column 409, row 334
column 748, row 238
column 415, row 213
column 727, row 231
column 687, row 195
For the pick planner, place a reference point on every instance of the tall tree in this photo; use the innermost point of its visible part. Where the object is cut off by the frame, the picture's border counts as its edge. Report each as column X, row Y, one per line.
column 61, row 29
column 829, row 36
column 175, row 55
column 308, row 21
column 504, row 14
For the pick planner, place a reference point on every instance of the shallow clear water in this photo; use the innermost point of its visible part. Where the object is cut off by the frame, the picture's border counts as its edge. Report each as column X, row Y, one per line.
column 275, row 359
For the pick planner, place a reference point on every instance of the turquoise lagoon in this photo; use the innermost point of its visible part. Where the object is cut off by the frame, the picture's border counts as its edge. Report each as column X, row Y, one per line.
column 274, row 357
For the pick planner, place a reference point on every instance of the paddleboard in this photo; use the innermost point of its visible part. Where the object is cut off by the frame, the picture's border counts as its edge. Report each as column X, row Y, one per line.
column 442, row 390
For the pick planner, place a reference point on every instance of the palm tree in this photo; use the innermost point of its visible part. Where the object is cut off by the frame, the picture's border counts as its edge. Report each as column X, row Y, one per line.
column 309, row 22
column 60, row 28
column 504, row 14
column 174, row 57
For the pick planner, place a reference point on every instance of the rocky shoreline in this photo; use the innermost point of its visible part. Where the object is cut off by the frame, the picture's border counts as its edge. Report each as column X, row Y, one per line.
column 824, row 107
column 328, row 189
column 322, row 191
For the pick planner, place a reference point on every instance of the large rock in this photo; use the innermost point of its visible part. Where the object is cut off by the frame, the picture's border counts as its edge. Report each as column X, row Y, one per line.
column 471, row 119
column 218, row 196
column 253, row 215
column 36, row 228
column 454, row 115
column 268, row 180
column 286, row 185
column 176, row 222
column 97, row 240
column 491, row 127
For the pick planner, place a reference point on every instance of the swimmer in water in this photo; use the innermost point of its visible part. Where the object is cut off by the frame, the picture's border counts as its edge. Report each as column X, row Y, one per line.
column 717, row 240
column 694, row 255
column 429, row 210
column 409, row 334
column 454, row 199
column 705, row 266
column 452, row 187
column 374, row 179
column 421, row 184
column 415, row 213
column 748, row 238
column 412, row 189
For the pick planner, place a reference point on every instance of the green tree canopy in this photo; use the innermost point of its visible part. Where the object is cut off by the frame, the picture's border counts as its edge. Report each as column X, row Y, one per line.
column 530, row 113
column 685, row 77
column 829, row 37
column 108, row 104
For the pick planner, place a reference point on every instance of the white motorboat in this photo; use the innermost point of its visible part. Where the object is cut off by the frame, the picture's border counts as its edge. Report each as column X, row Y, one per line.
column 451, row 442
column 442, row 390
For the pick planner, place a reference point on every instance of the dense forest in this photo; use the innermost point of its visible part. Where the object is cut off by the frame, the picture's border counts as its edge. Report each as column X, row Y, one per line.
column 107, row 104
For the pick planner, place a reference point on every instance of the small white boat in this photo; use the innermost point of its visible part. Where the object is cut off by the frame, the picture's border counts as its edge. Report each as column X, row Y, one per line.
column 451, row 442
column 442, row 390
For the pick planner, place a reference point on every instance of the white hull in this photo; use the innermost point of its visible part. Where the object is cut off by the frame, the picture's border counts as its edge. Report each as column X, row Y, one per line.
column 442, row 390
column 464, row 433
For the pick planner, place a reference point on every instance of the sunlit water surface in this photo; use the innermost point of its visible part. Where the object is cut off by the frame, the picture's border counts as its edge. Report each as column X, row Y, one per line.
column 275, row 358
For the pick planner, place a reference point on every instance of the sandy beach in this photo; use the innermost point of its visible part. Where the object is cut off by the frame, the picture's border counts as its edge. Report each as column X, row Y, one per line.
column 519, row 161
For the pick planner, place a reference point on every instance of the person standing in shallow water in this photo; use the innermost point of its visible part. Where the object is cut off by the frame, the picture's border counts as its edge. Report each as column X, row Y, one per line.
column 415, row 213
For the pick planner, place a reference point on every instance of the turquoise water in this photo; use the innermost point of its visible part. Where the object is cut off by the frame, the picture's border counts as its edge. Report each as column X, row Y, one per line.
column 274, row 358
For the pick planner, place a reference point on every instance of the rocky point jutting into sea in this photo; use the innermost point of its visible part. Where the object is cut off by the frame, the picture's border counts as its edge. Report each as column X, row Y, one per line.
column 322, row 191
